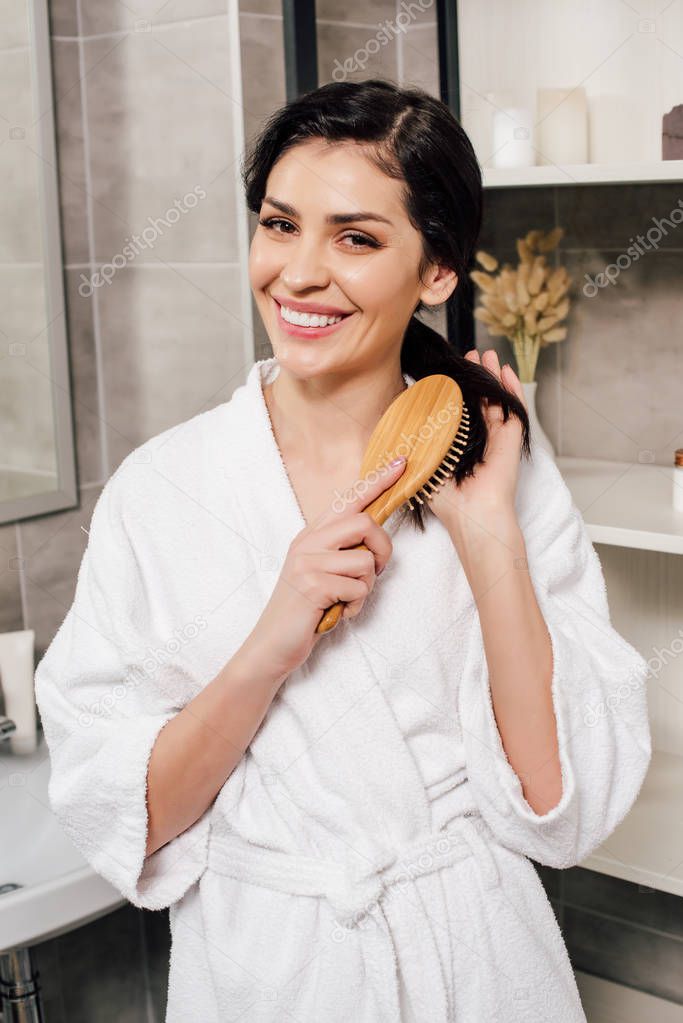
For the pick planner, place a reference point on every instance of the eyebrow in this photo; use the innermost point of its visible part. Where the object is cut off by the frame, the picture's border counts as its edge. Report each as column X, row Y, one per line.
column 331, row 218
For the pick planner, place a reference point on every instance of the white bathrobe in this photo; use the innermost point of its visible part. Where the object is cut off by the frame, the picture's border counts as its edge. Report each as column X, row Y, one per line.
column 366, row 861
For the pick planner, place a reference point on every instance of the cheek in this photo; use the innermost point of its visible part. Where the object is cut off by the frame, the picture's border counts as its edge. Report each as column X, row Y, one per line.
column 263, row 265
column 384, row 296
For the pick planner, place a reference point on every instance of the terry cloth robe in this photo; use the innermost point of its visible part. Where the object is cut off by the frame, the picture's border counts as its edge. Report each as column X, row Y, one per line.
column 368, row 859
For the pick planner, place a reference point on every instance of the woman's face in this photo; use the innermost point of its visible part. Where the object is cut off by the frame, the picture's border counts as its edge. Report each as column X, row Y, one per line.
column 365, row 268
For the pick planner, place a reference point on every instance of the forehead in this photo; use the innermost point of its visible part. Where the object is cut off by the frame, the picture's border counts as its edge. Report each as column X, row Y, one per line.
column 318, row 176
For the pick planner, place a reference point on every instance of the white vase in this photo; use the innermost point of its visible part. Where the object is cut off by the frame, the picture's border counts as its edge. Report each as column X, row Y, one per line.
column 537, row 435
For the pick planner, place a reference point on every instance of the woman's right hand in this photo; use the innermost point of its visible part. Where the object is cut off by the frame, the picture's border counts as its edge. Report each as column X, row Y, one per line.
column 318, row 571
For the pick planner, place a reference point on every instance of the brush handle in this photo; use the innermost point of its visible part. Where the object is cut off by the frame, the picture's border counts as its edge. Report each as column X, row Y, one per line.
column 334, row 613
column 379, row 510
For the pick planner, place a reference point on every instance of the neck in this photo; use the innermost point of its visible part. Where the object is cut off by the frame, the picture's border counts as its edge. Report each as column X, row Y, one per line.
column 330, row 418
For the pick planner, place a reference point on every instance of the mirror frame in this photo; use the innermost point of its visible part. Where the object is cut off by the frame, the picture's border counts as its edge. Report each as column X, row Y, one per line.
column 66, row 493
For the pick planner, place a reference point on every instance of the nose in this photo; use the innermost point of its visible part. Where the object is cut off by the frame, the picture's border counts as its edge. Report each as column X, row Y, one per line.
column 304, row 265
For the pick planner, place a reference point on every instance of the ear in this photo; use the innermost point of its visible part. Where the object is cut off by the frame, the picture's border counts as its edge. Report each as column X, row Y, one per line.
column 440, row 284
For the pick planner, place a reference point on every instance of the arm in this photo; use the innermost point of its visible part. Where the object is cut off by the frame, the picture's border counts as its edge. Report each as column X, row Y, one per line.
column 598, row 687
column 197, row 750
column 518, row 652
column 122, row 745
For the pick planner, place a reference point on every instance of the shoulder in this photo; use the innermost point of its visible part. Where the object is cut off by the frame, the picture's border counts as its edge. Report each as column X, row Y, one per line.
column 185, row 450
column 161, row 484
column 168, row 470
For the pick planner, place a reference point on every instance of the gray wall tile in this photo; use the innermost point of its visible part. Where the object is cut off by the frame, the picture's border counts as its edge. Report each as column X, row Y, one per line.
column 640, row 958
column 97, row 17
column 172, row 347
column 609, row 216
column 45, row 959
column 151, row 146
column 600, row 893
column 10, row 590
column 262, row 47
column 621, row 363
column 345, row 54
column 509, row 213
column 68, row 113
column 52, row 550
column 84, row 391
column 102, row 979
column 157, row 938
column 419, row 49
column 63, row 17
column 271, row 7
column 364, row 12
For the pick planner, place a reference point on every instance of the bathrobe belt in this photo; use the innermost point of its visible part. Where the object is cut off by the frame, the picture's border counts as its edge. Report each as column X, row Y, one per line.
column 354, row 892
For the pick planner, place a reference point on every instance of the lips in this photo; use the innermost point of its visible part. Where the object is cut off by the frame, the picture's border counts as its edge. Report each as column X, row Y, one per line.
column 311, row 308
column 296, row 330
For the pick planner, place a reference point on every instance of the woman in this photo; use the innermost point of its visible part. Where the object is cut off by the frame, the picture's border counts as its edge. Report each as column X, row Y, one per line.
column 341, row 825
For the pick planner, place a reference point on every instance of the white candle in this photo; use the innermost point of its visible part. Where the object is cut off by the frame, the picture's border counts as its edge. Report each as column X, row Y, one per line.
column 616, row 131
column 562, row 126
column 512, row 138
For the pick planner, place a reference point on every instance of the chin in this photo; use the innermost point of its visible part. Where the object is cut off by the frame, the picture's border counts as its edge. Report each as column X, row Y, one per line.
column 303, row 359
column 296, row 359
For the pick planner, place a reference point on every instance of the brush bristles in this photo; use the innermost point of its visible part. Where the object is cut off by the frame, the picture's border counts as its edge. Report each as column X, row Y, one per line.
column 446, row 467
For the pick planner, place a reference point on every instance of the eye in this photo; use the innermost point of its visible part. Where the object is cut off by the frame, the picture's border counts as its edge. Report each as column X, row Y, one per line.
column 364, row 240
column 361, row 239
column 272, row 221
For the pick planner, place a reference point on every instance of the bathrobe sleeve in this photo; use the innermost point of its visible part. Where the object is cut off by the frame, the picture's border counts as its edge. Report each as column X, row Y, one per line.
column 103, row 701
column 598, row 690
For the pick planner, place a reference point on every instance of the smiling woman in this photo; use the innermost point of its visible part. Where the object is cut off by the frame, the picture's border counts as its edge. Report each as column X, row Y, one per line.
column 341, row 822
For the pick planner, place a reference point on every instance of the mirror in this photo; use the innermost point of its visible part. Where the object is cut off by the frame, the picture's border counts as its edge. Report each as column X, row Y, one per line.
column 37, row 457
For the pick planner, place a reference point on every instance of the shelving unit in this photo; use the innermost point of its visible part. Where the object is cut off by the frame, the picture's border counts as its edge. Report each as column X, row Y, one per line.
column 625, row 60
column 625, row 504
column 630, row 506
column 583, row 173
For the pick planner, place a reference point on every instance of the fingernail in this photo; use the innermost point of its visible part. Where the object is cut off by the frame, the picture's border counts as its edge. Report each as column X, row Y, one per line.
column 396, row 461
column 381, row 569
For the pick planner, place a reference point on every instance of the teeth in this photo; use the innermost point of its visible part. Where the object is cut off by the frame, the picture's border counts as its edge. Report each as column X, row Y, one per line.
column 307, row 319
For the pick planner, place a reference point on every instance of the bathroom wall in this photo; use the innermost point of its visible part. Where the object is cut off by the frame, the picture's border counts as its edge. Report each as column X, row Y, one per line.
column 149, row 112
column 148, row 107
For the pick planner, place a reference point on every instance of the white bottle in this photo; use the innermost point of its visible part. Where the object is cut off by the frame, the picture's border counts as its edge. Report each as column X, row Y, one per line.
column 677, row 477
column 512, row 137
column 16, row 678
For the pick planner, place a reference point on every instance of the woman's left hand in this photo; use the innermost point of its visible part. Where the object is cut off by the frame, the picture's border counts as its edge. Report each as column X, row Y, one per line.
column 489, row 495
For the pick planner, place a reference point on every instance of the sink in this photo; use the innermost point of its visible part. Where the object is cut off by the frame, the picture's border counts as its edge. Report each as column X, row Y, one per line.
column 58, row 888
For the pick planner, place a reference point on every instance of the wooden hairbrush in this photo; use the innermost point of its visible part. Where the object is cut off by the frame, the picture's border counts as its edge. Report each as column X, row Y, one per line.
column 428, row 423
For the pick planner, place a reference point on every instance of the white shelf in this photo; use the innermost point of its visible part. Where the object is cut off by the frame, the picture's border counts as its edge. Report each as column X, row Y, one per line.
column 625, row 504
column 647, row 847
column 583, row 174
